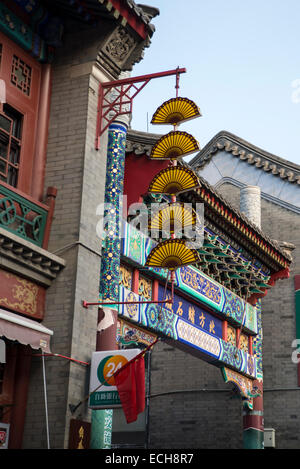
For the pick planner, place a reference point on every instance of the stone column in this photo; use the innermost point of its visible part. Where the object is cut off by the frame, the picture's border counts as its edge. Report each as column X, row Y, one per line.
column 253, row 420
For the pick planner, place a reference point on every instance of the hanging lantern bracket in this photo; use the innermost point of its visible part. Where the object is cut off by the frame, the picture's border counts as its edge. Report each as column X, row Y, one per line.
column 177, row 81
column 125, row 91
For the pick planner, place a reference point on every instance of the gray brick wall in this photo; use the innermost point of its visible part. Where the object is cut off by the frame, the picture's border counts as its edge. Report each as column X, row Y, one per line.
column 200, row 410
column 78, row 172
column 279, row 329
column 214, row 419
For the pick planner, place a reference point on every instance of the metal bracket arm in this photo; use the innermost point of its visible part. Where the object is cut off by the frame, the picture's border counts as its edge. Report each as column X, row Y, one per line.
column 126, row 90
column 85, row 304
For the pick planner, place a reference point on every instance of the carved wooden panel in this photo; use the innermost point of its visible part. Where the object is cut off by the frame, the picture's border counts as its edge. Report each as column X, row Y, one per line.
column 21, row 75
column 231, row 335
column 125, row 276
column 145, row 287
column 244, row 343
column 21, row 296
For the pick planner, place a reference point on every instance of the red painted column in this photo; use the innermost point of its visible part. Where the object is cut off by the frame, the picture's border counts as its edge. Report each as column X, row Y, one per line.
column 224, row 330
column 250, row 345
column 155, row 286
column 253, row 422
column 135, row 281
column 19, row 407
column 50, row 200
column 39, row 164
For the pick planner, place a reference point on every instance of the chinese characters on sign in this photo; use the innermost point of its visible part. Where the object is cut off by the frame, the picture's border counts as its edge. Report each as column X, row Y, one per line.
column 192, row 313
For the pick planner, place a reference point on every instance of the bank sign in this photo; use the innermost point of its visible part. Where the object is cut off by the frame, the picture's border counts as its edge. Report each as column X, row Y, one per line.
column 103, row 391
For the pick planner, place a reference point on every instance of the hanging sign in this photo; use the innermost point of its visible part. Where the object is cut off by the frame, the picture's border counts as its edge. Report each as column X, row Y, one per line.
column 103, row 392
column 192, row 313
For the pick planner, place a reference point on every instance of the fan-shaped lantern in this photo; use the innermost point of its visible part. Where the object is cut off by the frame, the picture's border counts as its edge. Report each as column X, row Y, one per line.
column 172, row 254
column 173, row 180
column 174, row 145
column 172, row 217
column 175, row 111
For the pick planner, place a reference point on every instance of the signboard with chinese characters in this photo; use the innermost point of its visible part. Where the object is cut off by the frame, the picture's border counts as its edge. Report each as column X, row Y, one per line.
column 182, row 332
column 79, row 435
column 194, row 283
column 103, row 392
column 202, row 308
column 192, row 313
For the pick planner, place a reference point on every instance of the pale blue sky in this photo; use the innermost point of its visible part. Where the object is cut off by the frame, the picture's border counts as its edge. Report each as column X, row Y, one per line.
column 242, row 58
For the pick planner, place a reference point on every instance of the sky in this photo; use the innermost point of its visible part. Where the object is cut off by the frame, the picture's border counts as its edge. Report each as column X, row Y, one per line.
column 242, row 61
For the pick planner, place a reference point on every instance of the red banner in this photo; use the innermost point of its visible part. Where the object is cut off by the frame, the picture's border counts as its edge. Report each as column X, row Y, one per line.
column 130, row 382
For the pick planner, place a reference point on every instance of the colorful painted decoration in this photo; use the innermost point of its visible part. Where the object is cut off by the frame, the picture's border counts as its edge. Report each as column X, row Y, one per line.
column 175, row 111
column 125, row 276
column 174, row 145
column 193, row 282
column 178, row 327
column 191, row 313
column 172, row 254
column 174, row 180
column 130, row 334
column 172, row 217
column 243, row 384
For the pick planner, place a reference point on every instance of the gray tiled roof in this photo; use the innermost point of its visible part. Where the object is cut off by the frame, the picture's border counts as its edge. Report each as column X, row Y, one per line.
column 249, row 153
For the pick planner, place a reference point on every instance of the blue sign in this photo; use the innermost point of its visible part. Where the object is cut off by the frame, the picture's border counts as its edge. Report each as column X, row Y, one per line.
column 192, row 313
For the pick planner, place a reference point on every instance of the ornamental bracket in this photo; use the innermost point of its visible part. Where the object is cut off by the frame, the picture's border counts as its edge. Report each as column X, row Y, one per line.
column 121, row 104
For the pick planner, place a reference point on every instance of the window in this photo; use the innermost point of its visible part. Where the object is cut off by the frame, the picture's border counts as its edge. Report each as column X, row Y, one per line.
column 21, row 75
column 19, row 117
column 10, row 144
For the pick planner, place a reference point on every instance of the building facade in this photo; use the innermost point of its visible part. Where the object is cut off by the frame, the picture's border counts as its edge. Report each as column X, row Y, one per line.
column 229, row 163
column 54, row 55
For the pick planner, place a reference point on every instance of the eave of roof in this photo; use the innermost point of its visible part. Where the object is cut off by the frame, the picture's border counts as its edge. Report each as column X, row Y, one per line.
column 250, row 154
column 138, row 17
column 141, row 143
column 237, row 222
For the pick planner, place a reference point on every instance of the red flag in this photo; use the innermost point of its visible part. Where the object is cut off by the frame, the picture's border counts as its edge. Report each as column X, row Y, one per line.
column 130, row 382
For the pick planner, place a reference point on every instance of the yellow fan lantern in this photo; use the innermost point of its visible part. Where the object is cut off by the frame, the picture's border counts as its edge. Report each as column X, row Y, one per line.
column 172, row 254
column 173, row 180
column 175, row 111
column 172, row 217
column 174, row 145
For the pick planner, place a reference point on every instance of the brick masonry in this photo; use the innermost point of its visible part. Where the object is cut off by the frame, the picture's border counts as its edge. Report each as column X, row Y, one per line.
column 78, row 172
column 189, row 417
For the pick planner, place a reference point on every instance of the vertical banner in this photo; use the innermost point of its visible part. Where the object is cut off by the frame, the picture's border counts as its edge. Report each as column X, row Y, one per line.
column 102, row 425
column 79, row 435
